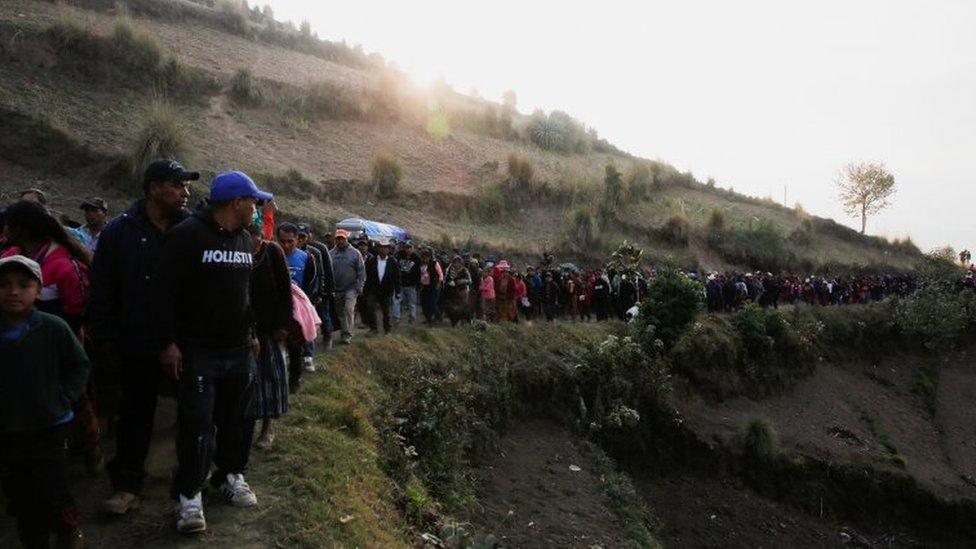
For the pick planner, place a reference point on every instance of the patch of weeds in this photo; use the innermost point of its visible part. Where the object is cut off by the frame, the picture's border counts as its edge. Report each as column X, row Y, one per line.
column 875, row 428
column 759, row 440
column 632, row 514
column 926, row 385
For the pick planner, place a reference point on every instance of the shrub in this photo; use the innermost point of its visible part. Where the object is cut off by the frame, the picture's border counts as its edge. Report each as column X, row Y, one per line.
column 386, row 175
column 672, row 301
column 677, row 229
column 520, row 172
column 245, row 89
column 235, row 16
column 762, row 247
column 759, row 440
column 639, row 182
column 328, row 100
column 709, row 354
column 613, row 186
column 583, row 231
column 803, row 235
column 162, row 135
column 137, row 49
column 716, row 222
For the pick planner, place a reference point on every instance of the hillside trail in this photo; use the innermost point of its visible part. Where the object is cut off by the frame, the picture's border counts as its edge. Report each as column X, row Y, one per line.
column 154, row 524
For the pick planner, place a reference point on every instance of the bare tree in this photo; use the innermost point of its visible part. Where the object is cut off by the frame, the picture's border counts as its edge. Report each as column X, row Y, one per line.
column 865, row 189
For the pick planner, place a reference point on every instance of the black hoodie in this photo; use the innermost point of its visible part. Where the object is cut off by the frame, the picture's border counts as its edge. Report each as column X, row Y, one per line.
column 201, row 296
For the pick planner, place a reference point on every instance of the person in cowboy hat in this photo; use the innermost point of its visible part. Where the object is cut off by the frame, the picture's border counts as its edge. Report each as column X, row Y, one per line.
column 382, row 283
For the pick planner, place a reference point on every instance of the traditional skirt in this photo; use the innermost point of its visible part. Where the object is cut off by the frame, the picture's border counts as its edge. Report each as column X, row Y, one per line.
column 272, row 380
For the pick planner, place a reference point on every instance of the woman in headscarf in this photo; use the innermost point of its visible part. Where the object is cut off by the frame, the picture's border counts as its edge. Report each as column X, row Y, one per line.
column 271, row 302
column 457, row 282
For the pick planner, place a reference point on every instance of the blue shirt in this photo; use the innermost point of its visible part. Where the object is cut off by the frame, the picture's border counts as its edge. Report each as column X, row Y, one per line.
column 297, row 260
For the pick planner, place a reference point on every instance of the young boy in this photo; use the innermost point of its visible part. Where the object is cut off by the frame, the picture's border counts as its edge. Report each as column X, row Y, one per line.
column 43, row 370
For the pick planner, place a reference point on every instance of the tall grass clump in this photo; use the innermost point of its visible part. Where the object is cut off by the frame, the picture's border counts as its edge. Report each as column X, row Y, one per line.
column 521, row 174
column 677, row 229
column 235, row 16
column 136, row 48
column 639, row 182
column 759, row 440
column 386, row 175
column 716, row 222
column 162, row 135
column 583, row 231
column 245, row 89
column 613, row 186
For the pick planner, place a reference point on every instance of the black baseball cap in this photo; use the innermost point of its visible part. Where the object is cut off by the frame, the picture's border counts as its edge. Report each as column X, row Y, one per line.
column 303, row 229
column 165, row 169
column 95, row 203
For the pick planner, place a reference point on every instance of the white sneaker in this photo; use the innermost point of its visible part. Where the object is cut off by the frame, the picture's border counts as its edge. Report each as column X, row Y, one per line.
column 238, row 492
column 309, row 364
column 191, row 515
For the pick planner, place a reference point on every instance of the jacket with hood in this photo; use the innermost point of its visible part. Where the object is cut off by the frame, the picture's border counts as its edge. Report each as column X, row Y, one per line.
column 201, row 296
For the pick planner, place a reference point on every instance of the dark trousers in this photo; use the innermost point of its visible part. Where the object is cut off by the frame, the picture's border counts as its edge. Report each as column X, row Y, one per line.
column 295, row 365
column 34, row 476
column 381, row 302
column 429, row 297
column 216, row 391
column 139, row 378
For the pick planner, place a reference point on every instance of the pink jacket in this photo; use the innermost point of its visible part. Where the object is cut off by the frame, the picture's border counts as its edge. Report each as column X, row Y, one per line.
column 66, row 280
column 304, row 313
column 487, row 287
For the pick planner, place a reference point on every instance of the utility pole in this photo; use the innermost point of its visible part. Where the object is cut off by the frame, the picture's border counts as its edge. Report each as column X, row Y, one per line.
column 784, row 197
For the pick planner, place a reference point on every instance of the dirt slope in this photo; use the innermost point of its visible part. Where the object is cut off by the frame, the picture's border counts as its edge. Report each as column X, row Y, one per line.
column 543, row 490
column 866, row 412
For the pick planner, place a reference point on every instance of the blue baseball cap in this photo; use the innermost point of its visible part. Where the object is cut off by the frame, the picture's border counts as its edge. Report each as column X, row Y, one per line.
column 230, row 185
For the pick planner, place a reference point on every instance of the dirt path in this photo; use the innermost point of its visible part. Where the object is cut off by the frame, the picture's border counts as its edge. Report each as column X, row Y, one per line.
column 533, row 498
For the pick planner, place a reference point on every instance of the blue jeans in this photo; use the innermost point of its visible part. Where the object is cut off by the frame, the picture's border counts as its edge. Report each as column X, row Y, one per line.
column 324, row 314
column 411, row 297
column 215, row 392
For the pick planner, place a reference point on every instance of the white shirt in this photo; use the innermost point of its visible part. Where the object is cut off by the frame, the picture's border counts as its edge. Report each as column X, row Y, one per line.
column 380, row 268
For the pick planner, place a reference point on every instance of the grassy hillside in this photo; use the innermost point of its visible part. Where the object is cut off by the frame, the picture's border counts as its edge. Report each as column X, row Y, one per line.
column 308, row 118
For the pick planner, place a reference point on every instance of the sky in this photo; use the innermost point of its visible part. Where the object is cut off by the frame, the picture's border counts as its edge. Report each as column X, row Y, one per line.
column 767, row 97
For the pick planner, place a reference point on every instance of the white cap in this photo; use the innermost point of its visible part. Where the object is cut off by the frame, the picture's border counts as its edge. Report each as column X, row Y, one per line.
column 24, row 263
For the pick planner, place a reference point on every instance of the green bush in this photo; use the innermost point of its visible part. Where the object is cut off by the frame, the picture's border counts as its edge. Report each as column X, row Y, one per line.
column 710, row 355
column 386, row 175
column 759, row 440
column 762, row 247
column 769, row 339
column 671, row 303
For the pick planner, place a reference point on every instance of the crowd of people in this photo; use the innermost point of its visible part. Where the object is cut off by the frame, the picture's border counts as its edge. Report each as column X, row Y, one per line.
column 229, row 307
